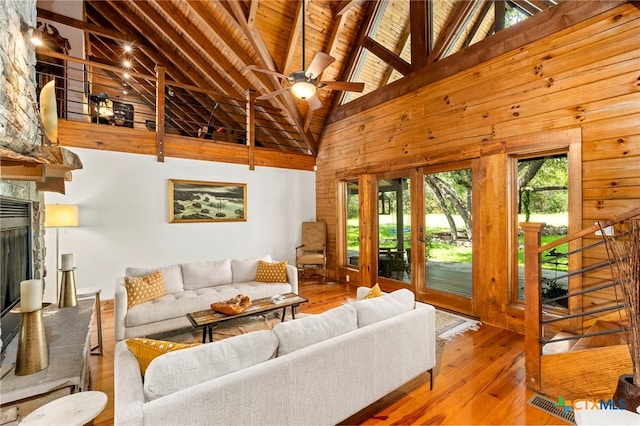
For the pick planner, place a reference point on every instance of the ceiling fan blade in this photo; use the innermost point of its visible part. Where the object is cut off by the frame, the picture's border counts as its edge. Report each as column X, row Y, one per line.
column 314, row 103
column 319, row 63
column 342, row 85
column 272, row 94
column 266, row 71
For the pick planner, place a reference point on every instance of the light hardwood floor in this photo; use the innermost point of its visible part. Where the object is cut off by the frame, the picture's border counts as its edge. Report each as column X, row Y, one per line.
column 481, row 378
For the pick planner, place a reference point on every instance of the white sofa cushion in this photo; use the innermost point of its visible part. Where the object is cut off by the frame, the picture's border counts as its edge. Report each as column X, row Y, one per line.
column 169, row 373
column 206, row 274
column 294, row 335
column 370, row 311
column 244, row 270
column 171, row 274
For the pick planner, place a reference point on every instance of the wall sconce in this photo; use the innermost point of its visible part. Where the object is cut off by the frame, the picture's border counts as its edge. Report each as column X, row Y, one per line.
column 36, row 36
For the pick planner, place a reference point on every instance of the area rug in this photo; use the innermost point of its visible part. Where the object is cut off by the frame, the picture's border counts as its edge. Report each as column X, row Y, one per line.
column 448, row 325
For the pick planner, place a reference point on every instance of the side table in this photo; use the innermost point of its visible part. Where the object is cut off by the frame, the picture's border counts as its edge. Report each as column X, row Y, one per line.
column 83, row 293
column 75, row 409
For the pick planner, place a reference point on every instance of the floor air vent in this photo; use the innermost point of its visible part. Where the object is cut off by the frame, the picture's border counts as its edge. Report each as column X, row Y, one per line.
column 550, row 406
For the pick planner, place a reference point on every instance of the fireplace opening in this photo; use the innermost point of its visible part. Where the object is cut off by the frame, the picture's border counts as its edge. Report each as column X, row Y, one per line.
column 16, row 264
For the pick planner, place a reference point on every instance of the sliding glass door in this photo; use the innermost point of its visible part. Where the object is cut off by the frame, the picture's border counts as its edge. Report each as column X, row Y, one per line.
column 448, row 238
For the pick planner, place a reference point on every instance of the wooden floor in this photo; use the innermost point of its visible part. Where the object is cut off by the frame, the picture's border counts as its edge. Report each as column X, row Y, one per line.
column 481, row 378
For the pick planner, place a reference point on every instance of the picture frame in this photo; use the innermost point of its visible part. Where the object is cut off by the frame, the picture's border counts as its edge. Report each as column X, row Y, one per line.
column 192, row 201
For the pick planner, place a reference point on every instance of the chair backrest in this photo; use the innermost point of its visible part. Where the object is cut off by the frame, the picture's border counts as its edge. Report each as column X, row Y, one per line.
column 314, row 235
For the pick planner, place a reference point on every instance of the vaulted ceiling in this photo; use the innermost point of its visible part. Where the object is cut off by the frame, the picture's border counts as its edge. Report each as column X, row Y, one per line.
column 217, row 46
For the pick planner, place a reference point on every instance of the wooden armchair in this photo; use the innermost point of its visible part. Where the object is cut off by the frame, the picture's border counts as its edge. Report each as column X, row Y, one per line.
column 312, row 253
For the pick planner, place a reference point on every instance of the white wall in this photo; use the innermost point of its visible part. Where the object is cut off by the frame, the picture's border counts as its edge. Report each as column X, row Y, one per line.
column 123, row 209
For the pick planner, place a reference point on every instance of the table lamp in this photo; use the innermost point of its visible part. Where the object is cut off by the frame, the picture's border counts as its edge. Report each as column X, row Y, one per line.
column 58, row 216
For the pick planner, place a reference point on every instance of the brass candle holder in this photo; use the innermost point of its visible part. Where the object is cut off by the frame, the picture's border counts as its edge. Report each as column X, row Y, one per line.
column 33, row 352
column 67, row 296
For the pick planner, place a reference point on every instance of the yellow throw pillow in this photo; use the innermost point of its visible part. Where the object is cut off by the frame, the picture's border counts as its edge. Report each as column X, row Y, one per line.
column 271, row 272
column 374, row 292
column 142, row 289
column 146, row 350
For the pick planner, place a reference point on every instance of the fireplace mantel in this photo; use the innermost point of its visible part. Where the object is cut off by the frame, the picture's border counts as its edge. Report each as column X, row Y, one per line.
column 49, row 166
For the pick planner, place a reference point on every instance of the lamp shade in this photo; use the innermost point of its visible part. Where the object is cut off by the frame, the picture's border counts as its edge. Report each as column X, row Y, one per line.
column 303, row 89
column 57, row 215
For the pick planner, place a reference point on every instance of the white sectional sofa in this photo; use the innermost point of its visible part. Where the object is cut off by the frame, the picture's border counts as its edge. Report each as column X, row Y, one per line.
column 315, row 370
column 191, row 287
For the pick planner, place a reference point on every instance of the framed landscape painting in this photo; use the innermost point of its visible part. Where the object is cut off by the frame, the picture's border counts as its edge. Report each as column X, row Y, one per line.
column 198, row 201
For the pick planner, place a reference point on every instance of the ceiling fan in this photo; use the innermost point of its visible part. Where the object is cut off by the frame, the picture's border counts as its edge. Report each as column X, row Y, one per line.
column 305, row 83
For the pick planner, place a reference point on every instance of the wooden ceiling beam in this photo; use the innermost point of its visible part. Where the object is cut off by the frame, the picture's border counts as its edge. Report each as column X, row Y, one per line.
column 252, row 13
column 203, row 62
column 499, row 14
column 419, row 30
column 395, row 61
column 188, row 48
column 357, row 51
column 146, row 58
column 294, row 36
column 484, row 13
column 449, row 34
column 267, row 61
column 526, row 7
column 104, row 16
column 183, row 74
column 232, row 45
column 90, row 28
column 344, row 6
column 235, row 52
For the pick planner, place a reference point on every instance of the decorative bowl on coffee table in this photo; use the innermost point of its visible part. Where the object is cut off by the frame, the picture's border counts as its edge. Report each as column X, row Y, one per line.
column 233, row 306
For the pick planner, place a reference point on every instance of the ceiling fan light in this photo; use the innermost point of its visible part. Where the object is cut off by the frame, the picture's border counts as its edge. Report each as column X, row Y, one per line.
column 303, row 89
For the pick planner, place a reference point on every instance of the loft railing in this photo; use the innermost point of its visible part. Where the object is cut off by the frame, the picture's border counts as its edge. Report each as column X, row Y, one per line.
column 89, row 91
column 584, row 316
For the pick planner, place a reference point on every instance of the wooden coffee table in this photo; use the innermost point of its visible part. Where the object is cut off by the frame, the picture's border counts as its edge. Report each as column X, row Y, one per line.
column 209, row 319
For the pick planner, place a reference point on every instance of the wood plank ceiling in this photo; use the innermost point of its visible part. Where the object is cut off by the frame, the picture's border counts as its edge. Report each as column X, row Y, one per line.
column 210, row 44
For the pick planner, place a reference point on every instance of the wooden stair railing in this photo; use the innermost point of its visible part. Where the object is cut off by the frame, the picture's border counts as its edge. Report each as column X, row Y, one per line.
column 573, row 352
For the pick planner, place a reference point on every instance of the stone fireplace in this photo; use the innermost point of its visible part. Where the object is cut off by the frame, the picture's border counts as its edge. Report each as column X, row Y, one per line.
column 19, row 130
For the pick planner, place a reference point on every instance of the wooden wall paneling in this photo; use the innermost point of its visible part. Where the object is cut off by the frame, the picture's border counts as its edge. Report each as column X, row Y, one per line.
column 491, row 245
column 610, row 169
column 186, row 147
column 286, row 160
column 418, row 230
column 610, row 147
column 542, row 25
column 367, row 200
column 541, row 89
column 84, row 135
column 614, row 107
column 135, row 141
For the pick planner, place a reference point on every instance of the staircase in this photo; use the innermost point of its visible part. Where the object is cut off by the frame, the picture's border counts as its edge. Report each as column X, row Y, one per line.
column 576, row 352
